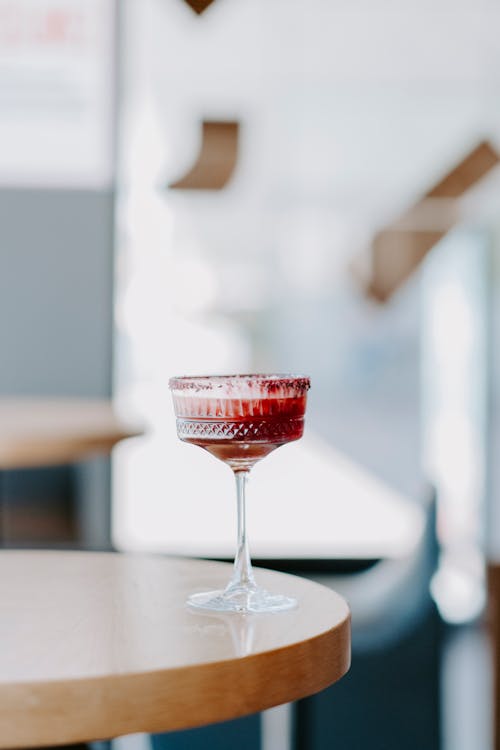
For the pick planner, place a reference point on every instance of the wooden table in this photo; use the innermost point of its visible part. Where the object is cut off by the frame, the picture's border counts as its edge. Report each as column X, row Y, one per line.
column 43, row 432
column 99, row 645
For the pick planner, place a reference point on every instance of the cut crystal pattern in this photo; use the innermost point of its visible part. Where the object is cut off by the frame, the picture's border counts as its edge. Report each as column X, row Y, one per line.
column 268, row 430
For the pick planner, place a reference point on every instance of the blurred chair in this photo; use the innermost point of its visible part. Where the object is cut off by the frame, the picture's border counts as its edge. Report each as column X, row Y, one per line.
column 240, row 734
column 390, row 698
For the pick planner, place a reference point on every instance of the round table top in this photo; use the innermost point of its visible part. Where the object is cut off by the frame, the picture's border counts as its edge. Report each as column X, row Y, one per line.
column 50, row 431
column 99, row 645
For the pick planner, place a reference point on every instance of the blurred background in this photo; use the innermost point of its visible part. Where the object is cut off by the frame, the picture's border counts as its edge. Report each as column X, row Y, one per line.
column 297, row 186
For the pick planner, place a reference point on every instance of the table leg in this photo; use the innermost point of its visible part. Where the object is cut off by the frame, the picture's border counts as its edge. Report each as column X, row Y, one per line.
column 277, row 727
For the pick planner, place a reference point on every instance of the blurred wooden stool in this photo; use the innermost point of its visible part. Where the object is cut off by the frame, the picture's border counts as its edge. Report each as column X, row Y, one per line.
column 42, row 432
column 49, row 432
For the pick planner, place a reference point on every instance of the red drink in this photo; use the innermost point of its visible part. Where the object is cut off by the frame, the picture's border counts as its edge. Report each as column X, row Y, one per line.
column 242, row 418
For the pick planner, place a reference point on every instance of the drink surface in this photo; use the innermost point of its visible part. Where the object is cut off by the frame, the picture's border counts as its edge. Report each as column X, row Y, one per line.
column 211, row 407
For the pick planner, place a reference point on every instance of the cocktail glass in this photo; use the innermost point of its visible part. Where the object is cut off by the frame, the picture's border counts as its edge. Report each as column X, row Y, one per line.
column 239, row 419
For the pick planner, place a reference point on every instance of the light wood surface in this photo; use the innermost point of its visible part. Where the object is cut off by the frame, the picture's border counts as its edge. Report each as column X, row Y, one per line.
column 43, row 432
column 99, row 645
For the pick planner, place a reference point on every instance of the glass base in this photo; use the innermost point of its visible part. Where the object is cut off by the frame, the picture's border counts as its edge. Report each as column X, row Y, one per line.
column 242, row 601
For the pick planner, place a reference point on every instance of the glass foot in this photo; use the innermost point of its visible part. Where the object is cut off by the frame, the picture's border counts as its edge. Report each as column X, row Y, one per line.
column 243, row 601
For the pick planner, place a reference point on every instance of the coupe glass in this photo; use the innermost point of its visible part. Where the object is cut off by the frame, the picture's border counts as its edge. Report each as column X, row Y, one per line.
column 239, row 419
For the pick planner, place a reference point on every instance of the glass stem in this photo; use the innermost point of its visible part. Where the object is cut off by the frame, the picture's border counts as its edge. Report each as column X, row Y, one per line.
column 242, row 572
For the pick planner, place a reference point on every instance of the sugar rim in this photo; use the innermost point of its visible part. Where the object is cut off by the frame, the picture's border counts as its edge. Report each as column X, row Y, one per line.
column 268, row 382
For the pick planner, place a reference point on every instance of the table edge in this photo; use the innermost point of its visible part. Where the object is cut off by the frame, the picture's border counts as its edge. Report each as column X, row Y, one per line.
column 100, row 707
